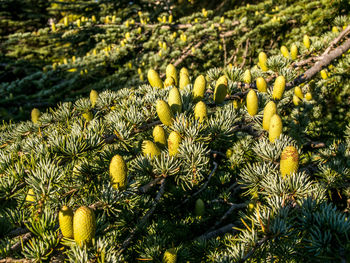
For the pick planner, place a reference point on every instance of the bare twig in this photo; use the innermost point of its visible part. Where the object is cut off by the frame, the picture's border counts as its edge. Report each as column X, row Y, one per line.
column 225, row 51
column 202, row 188
column 16, row 247
column 144, row 219
column 145, row 188
column 217, row 232
column 14, row 260
column 187, row 52
column 228, row 212
column 335, row 41
column 17, row 232
column 342, row 34
column 251, row 252
column 317, row 67
column 233, row 56
column 245, row 53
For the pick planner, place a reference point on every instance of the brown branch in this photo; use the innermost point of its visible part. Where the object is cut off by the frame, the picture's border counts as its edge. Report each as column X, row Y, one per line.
column 145, row 188
column 14, row 260
column 233, row 56
column 16, row 247
column 327, row 59
column 251, row 252
column 187, row 52
column 217, row 232
column 202, row 188
column 342, row 34
column 18, row 231
column 178, row 26
column 225, row 51
column 144, row 219
column 228, row 212
column 245, row 52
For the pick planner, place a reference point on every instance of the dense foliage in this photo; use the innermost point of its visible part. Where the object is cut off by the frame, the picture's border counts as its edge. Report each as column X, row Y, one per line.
column 216, row 189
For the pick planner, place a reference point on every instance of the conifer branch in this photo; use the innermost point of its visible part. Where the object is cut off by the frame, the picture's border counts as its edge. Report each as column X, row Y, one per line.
column 110, row 138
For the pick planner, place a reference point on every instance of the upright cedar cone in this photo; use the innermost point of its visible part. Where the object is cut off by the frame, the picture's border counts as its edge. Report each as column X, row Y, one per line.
column 278, row 88
column 252, row 103
column 118, row 172
column 150, row 149
column 170, row 256
column 220, row 90
column 289, row 161
column 261, row 84
column 306, row 41
column 323, row 74
column 284, row 51
column 200, row 111
column 247, row 76
column 65, row 219
column 154, row 79
column 262, row 61
column 199, row 88
column 296, row 100
column 275, row 128
column 35, row 114
column 308, row 96
column 269, row 110
column 184, row 80
column 294, row 52
column 159, row 136
column 93, row 97
column 169, row 81
column 199, row 207
column 298, row 92
column 174, row 100
column 184, row 71
column 84, row 225
column 174, row 141
column 164, row 112
column 170, row 71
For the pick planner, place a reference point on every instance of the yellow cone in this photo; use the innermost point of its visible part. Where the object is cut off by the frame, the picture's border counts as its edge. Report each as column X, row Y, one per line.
column 269, row 110
column 84, row 225
column 154, row 79
column 199, row 88
column 275, row 128
column 261, row 84
column 220, row 90
column 65, row 219
column 278, row 88
column 252, row 103
column 118, row 172
column 289, row 161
